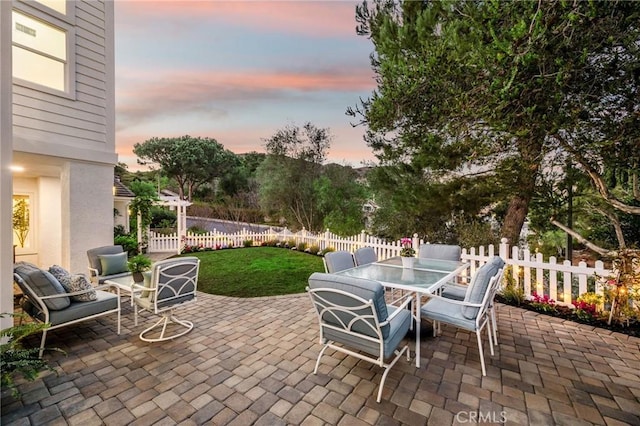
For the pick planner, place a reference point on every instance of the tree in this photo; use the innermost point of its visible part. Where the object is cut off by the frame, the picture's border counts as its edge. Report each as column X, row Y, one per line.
column 474, row 94
column 286, row 177
column 191, row 161
column 340, row 199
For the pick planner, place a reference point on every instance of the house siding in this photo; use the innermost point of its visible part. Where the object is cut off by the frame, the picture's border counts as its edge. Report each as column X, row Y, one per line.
column 42, row 118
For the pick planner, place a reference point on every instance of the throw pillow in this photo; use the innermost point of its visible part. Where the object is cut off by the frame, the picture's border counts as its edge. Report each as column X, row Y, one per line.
column 80, row 282
column 113, row 263
column 62, row 275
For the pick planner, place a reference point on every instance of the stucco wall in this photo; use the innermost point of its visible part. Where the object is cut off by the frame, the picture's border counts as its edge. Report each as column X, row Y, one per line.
column 87, row 211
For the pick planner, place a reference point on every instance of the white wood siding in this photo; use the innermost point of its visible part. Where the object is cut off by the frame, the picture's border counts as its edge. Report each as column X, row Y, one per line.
column 43, row 119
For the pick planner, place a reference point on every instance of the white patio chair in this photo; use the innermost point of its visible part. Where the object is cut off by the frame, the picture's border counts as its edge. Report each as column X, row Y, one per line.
column 472, row 313
column 173, row 284
column 355, row 320
column 340, row 260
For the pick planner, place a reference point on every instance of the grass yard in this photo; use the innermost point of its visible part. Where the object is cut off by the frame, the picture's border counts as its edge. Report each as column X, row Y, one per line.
column 255, row 271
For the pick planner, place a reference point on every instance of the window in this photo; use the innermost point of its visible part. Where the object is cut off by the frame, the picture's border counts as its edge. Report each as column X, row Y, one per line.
column 41, row 52
column 57, row 5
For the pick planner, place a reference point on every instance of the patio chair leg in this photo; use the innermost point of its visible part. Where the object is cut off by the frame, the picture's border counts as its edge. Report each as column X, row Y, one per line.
column 165, row 320
column 315, row 370
column 386, row 371
column 495, row 325
column 44, row 337
column 479, row 337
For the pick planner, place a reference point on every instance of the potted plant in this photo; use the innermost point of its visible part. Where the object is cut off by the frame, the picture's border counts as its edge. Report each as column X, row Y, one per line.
column 137, row 265
column 407, row 252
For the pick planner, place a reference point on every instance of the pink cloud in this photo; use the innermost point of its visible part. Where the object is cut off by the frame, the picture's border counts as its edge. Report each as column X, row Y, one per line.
column 300, row 17
column 145, row 95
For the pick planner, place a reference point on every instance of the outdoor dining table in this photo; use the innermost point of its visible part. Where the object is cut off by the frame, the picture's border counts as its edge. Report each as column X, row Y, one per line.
column 424, row 278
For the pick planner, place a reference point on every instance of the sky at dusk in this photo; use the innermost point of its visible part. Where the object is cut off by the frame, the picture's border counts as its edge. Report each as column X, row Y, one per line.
column 237, row 71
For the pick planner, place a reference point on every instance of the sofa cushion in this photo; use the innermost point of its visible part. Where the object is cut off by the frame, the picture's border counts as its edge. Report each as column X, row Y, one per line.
column 113, row 263
column 43, row 284
column 105, row 301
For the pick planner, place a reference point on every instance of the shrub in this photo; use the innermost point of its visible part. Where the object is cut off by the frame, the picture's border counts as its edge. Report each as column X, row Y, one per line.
column 314, row 249
column 511, row 292
column 247, row 243
column 301, row 246
column 327, row 250
column 198, row 230
column 128, row 242
column 15, row 359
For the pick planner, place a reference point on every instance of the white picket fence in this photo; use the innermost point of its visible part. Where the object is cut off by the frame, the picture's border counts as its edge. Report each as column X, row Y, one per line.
column 562, row 282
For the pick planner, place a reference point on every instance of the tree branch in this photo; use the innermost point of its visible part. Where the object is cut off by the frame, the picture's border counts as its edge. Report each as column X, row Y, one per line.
column 601, row 185
column 616, row 225
column 601, row 251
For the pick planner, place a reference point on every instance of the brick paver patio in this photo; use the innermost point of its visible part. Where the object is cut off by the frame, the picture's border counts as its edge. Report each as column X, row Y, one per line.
column 250, row 361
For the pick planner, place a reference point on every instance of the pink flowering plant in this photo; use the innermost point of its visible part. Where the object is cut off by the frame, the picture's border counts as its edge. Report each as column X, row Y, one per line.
column 543, row 302
column 407, row 250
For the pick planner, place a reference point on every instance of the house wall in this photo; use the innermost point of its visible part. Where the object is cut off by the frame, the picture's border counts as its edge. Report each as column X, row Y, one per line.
column 50, row 221
column 87, row 211
column 66, row 142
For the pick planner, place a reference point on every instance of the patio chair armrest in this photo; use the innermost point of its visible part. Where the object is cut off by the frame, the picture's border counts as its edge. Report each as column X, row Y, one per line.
column 408, row 298
column 77, row 293
column 136, row 286
column 455, row 302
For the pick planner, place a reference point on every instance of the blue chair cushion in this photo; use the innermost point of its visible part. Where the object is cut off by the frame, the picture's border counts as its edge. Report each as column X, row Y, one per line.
column 361, row 287
column 479, row 283
column 105, row 301
column 455, row 291
column 338, row 261
column 43, row 284
column 440, row 251
column 450, row 313
column 365, row 255
column 397, row 329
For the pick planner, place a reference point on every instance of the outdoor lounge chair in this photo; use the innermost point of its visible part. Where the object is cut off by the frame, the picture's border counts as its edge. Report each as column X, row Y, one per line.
column 365, row 255
column 46, row 300
column 340, row 260
column 107, row 262
column 172, row 284
column 355, row 319
column 472, row 313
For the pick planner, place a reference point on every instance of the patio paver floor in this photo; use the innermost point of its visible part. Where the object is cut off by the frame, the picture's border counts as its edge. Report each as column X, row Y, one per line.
column 250, row 361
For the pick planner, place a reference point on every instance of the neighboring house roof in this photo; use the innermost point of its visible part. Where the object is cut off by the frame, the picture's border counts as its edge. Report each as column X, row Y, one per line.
column 119, row 190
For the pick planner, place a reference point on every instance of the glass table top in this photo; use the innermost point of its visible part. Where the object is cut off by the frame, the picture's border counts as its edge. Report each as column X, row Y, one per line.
column 425, row 274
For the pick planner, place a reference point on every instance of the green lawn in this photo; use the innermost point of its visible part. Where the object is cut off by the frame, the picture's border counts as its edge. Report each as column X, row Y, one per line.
column 255, row 271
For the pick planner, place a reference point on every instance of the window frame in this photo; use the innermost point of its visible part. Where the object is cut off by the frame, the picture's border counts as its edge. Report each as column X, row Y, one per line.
column 53, row 18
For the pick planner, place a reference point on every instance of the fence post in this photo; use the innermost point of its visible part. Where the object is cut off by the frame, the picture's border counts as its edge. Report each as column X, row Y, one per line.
column 504, row 249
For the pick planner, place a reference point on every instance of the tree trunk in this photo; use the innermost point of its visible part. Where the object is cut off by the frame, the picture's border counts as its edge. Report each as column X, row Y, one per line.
column 525, row 186
column 515, row 217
